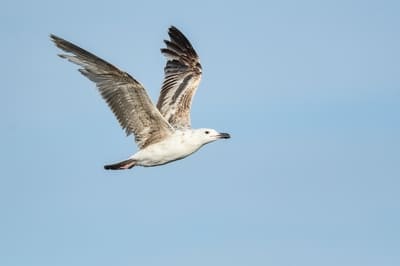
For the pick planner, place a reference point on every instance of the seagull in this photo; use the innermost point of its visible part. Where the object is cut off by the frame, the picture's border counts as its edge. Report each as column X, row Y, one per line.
column 163, row 132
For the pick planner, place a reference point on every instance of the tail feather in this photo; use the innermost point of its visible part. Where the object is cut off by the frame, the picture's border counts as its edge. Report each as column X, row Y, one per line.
column 127, row 164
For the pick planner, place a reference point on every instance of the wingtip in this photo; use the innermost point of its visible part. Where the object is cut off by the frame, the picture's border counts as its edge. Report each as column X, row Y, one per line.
column 173, row 31
column 54, row 37
column 58, row 41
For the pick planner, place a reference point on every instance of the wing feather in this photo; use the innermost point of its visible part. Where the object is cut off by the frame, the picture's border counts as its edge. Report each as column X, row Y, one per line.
column 182, row 75
column 125, row 96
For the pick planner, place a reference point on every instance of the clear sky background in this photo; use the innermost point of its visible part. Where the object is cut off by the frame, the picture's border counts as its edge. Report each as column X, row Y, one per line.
column 309, row 90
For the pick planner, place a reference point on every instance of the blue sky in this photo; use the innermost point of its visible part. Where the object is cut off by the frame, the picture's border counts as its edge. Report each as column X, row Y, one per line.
column 309, row 90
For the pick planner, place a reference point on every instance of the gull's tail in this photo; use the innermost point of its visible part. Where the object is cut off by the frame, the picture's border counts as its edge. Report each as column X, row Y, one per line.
column 127, row 164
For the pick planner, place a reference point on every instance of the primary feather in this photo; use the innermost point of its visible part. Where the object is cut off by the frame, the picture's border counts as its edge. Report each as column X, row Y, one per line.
column 182, row 78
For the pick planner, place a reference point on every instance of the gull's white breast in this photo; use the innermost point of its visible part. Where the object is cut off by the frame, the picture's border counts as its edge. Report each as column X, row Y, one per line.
column 177, row 146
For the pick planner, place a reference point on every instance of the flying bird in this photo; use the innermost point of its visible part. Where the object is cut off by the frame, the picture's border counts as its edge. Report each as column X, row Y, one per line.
column 163, row 132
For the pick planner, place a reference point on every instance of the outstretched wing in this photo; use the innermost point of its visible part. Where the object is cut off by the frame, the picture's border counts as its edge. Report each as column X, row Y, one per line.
column 182, row 77
column 125, row 96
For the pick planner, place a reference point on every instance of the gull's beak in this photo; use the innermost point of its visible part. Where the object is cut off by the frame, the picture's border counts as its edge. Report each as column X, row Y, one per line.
column 224, row 136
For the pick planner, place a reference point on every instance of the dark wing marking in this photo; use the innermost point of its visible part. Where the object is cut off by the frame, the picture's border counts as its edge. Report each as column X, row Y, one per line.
column 182, row 77
column 125, row 96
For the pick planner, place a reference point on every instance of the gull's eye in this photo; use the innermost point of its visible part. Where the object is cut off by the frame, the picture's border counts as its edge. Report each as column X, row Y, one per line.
column 207, row 132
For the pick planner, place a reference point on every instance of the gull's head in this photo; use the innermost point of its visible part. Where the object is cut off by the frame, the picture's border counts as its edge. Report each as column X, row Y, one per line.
column 207, row 135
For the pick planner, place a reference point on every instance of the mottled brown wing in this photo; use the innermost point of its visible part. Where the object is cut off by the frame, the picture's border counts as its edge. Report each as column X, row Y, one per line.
column 125, row 96
column 182, row 77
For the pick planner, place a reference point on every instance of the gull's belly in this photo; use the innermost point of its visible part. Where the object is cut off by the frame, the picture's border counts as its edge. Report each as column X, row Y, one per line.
column 164, row 152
